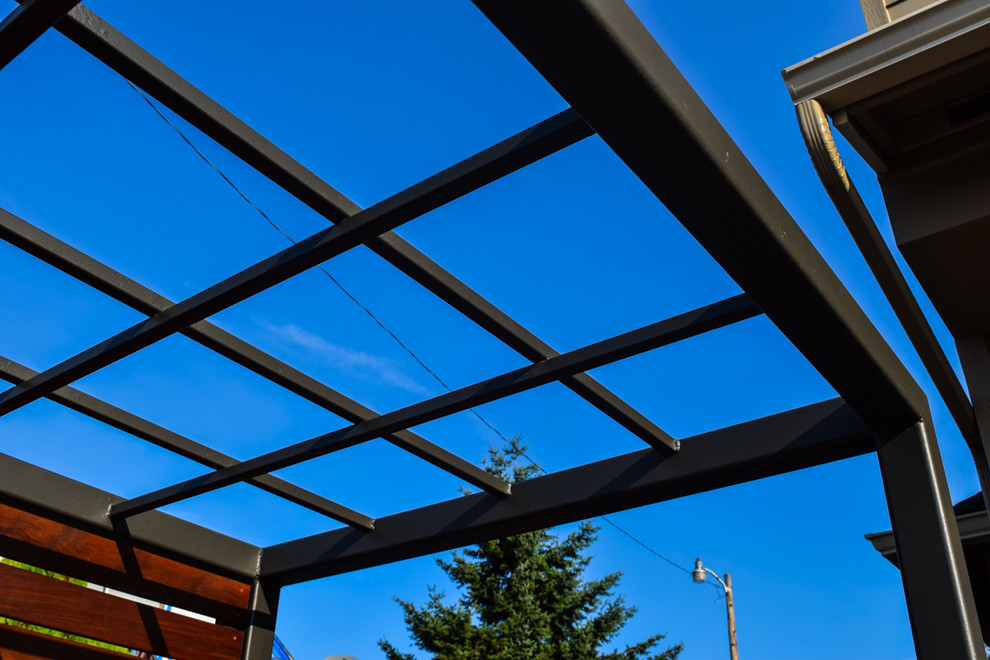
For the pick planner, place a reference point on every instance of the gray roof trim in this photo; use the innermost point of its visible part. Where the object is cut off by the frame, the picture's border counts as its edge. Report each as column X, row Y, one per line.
column 891, row 55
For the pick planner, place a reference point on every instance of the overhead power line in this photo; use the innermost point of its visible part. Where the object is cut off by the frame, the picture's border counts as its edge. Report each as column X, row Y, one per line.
column 378, row 321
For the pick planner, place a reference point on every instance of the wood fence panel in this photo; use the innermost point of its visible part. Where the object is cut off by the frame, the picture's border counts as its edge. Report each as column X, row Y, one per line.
column 70, row 608
column 93, row 558
column 19, row 644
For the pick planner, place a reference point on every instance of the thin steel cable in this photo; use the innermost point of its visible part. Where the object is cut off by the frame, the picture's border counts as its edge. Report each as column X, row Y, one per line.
column 379, row 322
column 628, row 534
column 293, row 241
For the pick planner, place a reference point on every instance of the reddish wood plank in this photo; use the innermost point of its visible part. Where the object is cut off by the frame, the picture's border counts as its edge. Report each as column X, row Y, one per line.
column 48, row 544
column 59, row 605
column 18, row 644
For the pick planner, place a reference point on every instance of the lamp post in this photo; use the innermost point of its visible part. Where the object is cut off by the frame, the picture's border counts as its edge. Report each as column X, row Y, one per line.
column 700, row 574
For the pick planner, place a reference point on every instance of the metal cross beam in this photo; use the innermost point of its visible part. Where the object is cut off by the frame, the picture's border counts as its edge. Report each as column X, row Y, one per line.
column 121, row 54
column 460, row 179
column 608, row 67
column 800, row 438
column 666, row 332
column 173, row 442
column 605, row 64
column 28, row 22
column 54, row 252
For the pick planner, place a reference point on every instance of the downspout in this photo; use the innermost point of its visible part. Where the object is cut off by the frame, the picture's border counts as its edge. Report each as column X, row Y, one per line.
column 825, row 156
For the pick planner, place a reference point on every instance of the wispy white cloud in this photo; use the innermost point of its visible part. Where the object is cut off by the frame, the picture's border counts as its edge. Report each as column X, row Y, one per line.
column 361, row 365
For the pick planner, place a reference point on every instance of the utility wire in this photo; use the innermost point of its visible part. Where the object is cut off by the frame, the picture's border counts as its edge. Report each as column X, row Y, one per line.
column 378, row 321
column 293, row 241
column 626, row 533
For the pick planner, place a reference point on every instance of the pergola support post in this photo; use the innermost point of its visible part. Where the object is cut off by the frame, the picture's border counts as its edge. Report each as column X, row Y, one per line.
column 259, row 635
column 974, row 356
column 939, row 597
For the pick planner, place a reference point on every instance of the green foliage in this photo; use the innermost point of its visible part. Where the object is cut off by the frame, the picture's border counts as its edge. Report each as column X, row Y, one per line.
column 522, row 598
column 41, row 571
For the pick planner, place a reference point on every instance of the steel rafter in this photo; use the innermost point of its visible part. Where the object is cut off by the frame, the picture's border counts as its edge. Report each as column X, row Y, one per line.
column 26, row 23
column 173, row 442
column 796, row 439
column 653, row 336
column 458, row 180
column 118, row 52
column 607, row 66
column 54, row 252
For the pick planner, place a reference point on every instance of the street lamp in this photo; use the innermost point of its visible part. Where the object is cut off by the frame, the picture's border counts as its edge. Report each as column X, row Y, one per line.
column 700, row 574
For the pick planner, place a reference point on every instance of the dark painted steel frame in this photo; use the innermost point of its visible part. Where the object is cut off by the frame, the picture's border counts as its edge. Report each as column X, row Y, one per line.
column 26, row 23
column 458, row 180
column 604, row 62
column 142, row 428
column 259, row 636
column 617, row 80
column 54, row 252
column 933, row 568
column 127, row 58
column 689, row 324
column 606, row 65
column 815, row 434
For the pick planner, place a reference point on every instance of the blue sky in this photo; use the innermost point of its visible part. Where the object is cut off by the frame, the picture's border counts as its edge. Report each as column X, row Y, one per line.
column 373, row 96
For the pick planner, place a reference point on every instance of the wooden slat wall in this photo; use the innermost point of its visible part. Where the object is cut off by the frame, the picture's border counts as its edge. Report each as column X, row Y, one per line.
column 18, row 644
column 52, row 603
column 47, row 544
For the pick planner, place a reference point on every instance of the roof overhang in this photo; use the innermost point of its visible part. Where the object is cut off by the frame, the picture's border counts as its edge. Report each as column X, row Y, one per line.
column 881, row 88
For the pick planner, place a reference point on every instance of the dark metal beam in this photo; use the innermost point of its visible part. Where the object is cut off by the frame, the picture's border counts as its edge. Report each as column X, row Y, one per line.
column 460, row 179
column 607, row 66
column 933, row 569
column 638, row 341
column 117, row 285
column 114, row 49
column 54, row 496
column 500, row 325
column 28, row 22
column 130, row 60
column 259, row 636
column 800, row 438
column 142, row 428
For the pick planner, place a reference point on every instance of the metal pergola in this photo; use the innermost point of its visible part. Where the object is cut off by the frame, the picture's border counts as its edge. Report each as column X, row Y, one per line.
column 621, row 86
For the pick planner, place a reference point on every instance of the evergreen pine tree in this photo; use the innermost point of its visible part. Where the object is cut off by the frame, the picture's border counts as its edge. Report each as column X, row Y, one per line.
column 522, row 598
